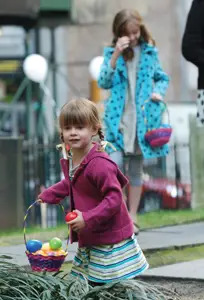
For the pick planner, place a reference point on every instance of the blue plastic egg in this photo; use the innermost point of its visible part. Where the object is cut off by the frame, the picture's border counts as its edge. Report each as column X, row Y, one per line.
column 33, row 245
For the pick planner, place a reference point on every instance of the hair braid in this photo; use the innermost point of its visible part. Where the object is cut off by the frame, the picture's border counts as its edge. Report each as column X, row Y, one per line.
column 101, row 137
column 61, row 137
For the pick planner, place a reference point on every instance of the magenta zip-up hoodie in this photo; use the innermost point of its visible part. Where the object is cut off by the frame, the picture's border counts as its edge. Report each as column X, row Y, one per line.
column 96, row 191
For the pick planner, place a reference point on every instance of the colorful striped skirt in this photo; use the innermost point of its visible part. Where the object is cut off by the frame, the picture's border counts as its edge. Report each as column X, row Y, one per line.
column 107, row 263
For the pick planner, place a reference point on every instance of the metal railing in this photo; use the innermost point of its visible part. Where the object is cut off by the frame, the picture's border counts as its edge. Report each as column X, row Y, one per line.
column 41, row 170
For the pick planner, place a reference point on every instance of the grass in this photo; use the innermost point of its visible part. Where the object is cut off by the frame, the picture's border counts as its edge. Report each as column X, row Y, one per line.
column 165, row 257
column 16, row 283
column 15, row 237
column 170, row 217
column 147, row 220
column 172, row 256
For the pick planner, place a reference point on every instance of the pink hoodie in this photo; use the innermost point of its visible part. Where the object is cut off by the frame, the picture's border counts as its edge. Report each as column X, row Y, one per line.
column 96, row 191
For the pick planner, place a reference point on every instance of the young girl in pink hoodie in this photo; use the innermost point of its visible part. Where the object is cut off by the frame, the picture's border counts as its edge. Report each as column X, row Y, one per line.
column 107, row 247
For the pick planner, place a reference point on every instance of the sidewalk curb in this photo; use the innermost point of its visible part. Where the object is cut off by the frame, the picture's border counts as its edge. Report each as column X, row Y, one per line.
column 171, row 225
column 159, row 277
column 175, row 247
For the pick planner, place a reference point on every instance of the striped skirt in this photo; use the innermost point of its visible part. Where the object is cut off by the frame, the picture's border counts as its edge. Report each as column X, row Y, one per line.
column 107, row 263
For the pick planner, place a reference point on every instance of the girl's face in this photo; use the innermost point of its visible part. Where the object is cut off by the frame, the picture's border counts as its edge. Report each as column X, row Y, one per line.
column 132, row 31
column 78, row 137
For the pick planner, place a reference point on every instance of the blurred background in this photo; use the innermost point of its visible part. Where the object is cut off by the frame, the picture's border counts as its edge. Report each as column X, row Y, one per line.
column 69, row 34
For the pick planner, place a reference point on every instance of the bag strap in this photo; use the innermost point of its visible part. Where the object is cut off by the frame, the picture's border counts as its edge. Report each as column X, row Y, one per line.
column 158, row 101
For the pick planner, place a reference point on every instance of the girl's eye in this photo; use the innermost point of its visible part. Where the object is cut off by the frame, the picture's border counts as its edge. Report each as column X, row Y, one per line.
column 80, row 127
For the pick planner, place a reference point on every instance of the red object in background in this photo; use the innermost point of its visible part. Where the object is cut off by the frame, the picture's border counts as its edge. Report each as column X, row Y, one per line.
column 159, row 193
column 70, row 216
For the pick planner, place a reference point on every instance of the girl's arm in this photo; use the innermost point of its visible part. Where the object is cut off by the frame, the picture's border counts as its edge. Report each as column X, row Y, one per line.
column 105, row 79
column 55, row 193
column 161, row 79
column 104, row 177
column 106, row 75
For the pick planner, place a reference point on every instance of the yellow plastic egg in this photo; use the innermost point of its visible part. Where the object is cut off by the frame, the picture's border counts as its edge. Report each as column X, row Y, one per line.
column 46, row 247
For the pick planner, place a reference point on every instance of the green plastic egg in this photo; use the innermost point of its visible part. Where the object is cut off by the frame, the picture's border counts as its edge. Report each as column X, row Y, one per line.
column 55, row 243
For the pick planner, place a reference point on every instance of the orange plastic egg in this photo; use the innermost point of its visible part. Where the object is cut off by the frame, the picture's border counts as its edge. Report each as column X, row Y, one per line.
column 39, row 252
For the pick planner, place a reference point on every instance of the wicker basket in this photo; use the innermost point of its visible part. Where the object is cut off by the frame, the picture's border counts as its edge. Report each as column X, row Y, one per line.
column 158, row 137
column 42, row 263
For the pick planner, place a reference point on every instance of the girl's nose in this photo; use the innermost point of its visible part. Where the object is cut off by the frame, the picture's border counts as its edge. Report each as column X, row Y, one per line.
column 73, row 130
column 132, row 37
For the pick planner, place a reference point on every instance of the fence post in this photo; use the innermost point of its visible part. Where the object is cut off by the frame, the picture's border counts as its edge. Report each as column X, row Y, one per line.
column 197, row 163
column 11, row 183
column 43, row 210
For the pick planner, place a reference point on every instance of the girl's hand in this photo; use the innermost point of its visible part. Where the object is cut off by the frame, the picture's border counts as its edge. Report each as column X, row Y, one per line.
column 156, row 97
column 78, row 223
column 122, row 44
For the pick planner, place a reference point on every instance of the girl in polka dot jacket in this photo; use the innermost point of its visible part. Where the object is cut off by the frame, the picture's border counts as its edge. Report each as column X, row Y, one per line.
column 132, row 71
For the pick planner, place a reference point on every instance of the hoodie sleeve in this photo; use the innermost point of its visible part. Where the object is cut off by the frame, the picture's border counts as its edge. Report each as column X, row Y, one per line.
column 193, row 38
column 55, row 193
column 104, row 175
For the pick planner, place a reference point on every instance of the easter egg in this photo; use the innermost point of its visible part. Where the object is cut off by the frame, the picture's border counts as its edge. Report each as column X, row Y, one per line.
column 55, row 243
column 59, row 252
column 33, row 245
column 39, row 252
column 51, row 253
column 70, row 216
column 46, row 247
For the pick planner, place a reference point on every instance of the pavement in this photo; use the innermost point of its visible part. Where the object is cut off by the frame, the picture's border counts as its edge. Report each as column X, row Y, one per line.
column 174, row 237
column 152, row 239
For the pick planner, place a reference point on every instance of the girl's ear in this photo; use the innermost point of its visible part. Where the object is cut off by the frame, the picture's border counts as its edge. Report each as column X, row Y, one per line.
column 95, row 130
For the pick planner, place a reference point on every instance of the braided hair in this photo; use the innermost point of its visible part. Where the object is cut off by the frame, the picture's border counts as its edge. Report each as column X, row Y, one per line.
column 61, row 137
column 101, row 137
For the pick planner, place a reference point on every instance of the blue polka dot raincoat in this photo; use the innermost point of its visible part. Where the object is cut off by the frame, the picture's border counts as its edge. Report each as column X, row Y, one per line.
column 150, row 79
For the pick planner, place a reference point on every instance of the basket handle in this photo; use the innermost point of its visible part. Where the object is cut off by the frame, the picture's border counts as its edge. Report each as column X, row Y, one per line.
column 25, row 218
column 166, row 109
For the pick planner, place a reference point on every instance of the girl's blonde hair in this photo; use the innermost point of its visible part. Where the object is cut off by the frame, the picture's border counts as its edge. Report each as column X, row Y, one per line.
column 120, row 22
column 81, row 112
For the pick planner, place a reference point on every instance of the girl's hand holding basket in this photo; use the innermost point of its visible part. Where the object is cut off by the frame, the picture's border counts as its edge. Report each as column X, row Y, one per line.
column 156, row 97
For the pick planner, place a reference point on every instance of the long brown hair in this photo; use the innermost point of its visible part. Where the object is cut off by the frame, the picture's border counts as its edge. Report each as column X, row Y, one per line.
column 119, row 25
